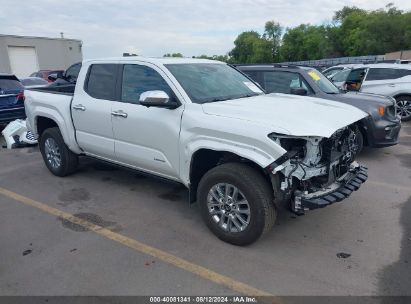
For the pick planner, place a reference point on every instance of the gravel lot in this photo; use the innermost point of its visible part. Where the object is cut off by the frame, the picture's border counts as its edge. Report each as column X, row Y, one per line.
column 361, row 246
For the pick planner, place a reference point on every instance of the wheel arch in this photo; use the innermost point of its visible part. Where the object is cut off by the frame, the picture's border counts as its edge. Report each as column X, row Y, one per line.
column 363, row 129
column 205, row 159
column 45, row 120
column 402, row 94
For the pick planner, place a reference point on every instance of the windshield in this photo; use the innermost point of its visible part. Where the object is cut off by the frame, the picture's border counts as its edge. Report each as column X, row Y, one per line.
column 330, row 73
column 341, row 76
column 323, row 83
column 10, row 83
column 210, row 82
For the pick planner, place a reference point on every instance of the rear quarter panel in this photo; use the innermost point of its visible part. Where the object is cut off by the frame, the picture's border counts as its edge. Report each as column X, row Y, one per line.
column 55, row 107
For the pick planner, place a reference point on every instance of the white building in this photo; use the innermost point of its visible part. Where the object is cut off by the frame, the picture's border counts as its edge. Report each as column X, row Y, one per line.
column 22, row 55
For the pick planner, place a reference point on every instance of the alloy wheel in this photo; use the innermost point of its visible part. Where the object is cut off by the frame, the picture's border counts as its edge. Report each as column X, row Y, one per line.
column 403, row 108
column 52, row 152
column 228, row 207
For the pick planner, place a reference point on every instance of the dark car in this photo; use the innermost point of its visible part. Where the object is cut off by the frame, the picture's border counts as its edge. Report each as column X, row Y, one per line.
column 65, row 81
column 11, row 99
column 380, row 129
column 44, row 74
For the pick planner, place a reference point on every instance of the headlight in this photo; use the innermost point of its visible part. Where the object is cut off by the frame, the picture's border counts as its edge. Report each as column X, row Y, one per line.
column 288, row 142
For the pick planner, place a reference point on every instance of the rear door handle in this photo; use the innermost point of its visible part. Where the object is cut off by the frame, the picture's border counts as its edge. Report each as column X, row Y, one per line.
column 119, row 113
column 79, row 107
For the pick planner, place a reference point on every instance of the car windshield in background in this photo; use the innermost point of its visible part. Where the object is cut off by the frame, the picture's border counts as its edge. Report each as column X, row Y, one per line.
column 323, row 83
column 341, row 76
column 210, row 82
column 329, row 74
column 10, row 83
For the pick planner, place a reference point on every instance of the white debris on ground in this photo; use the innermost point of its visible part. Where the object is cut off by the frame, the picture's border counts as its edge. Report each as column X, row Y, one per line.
column 16, row 135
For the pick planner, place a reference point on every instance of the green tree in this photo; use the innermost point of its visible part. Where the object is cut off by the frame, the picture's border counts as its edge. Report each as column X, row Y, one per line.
column 224, row 58
column 173, row 55
column 340, row 15
column 375, row 32
column 272, row 33
column 306, row 42
column 250, row 47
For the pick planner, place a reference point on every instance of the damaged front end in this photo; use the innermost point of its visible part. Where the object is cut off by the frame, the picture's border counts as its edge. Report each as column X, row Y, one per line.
column 316, row 171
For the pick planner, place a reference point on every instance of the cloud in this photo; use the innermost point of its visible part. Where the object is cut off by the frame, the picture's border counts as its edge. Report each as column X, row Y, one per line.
column 156, row 27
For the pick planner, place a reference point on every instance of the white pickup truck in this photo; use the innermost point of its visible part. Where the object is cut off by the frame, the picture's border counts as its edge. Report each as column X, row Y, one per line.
column 241, row 153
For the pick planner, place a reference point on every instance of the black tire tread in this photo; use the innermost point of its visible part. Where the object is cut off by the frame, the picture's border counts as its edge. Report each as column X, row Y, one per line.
column 254, row 179
column 69, row 159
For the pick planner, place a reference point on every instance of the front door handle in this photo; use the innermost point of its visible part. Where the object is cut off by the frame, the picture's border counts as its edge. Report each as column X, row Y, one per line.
column 119, row 113
column 79, row 107
column 392, row 85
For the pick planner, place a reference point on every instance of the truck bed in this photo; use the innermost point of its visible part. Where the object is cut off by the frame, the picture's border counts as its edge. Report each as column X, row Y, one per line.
column 67, row 89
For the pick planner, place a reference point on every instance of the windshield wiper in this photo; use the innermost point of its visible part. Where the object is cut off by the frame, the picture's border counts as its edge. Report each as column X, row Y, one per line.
column 249, row 95
column 215, row 99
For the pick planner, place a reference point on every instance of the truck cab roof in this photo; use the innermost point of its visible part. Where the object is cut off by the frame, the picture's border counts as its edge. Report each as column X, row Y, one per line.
column 153, row 60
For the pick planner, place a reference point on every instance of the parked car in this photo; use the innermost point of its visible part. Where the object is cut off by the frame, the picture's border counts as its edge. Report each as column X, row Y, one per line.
column 380, row 129
column 202, row 123
column 11, row 99
column 44, row 74
column 331, row 71
column 33, row 82
column 392, row 80
column 68, row 77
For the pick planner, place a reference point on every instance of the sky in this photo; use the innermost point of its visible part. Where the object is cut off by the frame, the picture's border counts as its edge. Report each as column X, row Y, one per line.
column 155, row 27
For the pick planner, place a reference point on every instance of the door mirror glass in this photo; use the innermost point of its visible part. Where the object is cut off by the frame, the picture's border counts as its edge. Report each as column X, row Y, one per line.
column 156, row 99
column 299, row 91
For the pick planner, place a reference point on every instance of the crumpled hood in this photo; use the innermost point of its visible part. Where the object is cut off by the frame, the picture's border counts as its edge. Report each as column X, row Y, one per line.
column 298, row 115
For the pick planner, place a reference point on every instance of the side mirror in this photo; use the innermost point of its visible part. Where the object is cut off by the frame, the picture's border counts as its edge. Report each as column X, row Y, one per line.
column 299, row 91
column 158, row 99
column 52, row 77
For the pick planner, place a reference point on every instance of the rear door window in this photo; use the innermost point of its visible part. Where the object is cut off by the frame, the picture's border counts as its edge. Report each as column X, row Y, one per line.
column 283, row 82
column 384, row 73
column 101, row 81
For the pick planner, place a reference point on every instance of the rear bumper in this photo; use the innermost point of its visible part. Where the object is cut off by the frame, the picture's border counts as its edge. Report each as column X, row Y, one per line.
column 8, row 115
column 336, row 192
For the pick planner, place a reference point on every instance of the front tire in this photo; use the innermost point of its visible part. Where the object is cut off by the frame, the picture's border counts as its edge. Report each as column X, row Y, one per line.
column 57, row 157
column 403, row 105
column 236, row 203
column 359, row 141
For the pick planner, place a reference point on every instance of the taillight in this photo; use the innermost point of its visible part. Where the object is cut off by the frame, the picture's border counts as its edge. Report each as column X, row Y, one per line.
column 21, row 97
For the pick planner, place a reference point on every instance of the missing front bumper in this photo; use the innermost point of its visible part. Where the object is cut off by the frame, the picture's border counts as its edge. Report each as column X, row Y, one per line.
column 336, row 192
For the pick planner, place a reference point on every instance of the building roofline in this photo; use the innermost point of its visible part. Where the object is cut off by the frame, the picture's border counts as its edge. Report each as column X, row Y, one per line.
column 38, row 37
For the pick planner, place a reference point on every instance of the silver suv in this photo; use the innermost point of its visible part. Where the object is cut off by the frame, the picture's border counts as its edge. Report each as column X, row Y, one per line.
column 392, row 80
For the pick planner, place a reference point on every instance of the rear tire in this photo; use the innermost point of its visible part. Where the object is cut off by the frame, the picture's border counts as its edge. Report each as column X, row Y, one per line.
column 59, row 159
column 217, row 189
